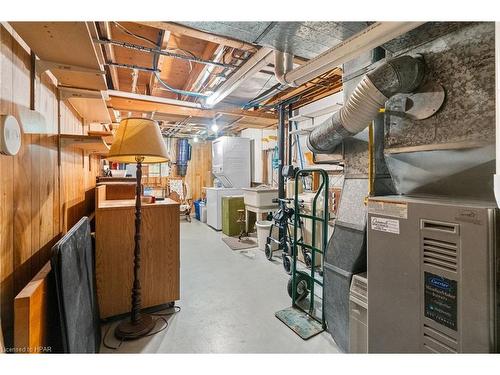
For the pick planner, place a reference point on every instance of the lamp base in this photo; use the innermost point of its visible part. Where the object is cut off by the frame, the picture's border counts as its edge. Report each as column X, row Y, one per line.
column 128, row 330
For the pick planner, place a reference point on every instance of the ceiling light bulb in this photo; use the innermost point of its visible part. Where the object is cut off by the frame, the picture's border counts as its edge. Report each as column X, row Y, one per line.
column 214, row 127
column 195, row 139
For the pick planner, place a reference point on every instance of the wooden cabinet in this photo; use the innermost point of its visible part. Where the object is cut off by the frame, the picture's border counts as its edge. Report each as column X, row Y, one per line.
column 159, row 272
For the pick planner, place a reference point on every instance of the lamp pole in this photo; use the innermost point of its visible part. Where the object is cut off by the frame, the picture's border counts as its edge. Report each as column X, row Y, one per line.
column 139, row 324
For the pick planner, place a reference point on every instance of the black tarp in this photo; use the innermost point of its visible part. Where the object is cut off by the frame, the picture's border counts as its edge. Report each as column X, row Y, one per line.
column 73, row 266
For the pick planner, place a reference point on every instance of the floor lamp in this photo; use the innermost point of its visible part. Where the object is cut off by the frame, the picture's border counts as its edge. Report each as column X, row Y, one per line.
column 138, row 140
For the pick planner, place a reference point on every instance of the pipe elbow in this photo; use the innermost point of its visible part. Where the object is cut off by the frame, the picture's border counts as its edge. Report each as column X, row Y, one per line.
column 283, row 64
column 403, row 74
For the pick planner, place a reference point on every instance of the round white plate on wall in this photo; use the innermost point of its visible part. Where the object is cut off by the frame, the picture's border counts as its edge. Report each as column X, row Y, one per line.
column 10, row 135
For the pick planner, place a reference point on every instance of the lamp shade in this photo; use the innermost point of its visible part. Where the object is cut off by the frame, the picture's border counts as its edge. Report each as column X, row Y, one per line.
column 138, row 138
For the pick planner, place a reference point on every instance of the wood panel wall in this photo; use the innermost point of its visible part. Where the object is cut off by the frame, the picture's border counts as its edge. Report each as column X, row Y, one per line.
column 199, row 171
column 40, row 198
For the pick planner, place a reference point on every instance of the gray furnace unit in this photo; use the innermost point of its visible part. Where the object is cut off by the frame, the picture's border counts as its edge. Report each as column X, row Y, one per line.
column 433, row 276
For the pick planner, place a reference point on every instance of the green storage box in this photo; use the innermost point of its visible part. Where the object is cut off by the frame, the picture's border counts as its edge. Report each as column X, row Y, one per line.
column 230, row 206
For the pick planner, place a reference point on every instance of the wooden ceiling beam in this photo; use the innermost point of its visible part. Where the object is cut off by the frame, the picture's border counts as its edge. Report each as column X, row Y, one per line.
column 110, row 51
column 184, row 30
column 199, row 69
column 330, row 83
column 124, row 104
column 161, row 61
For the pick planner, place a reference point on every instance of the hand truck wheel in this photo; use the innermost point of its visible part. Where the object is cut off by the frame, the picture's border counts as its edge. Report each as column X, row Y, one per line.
column 301, row 288
column 269, row 251
column 287, row 263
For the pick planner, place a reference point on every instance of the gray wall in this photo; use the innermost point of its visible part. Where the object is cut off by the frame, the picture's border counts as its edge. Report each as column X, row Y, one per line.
column 461, row 57
column 463, row 62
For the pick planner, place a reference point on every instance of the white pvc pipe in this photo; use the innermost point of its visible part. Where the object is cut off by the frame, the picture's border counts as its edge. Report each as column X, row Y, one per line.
column 259, row 60
column 497, row 84
column 364, row 41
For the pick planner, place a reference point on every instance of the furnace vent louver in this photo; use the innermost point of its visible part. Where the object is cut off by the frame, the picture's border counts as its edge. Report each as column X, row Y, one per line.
column 440, row 253
column 438, row 342
column 440, row 259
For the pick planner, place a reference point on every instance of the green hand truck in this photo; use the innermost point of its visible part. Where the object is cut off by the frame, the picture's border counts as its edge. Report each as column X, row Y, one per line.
column 301, row 316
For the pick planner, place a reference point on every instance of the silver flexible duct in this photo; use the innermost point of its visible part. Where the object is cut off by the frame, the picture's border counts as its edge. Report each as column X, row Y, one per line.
column 283, row 63
column 400, row 75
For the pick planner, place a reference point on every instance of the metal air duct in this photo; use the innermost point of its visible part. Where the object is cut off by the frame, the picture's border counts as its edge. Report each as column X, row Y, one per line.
column 283, row 63
column 403, row 74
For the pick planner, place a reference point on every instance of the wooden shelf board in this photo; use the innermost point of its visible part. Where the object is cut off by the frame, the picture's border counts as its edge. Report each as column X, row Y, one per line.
column 67, row 43
column 91, row 109
column 91, row 143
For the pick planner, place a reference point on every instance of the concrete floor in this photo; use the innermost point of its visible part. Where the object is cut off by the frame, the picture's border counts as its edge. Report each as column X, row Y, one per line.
column 228, row 301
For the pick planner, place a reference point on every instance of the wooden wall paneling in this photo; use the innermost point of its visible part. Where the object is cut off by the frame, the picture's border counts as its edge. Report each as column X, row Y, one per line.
column 199, row 171
column 35, row 192
column 6, row 195
column 22, row 172
column 72, row 170
column 48, row 176
column 55, row 131
column 36, row 170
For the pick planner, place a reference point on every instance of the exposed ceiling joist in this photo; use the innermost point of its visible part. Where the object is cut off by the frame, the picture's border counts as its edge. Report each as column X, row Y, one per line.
column 110, row 52
column 210, row 50
column 161, row 61
column 124, row 104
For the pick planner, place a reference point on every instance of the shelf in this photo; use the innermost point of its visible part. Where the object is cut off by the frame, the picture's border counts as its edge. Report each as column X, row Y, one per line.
column 89, row 104
column 107, row 136
column 93, row 144
column 67, row 50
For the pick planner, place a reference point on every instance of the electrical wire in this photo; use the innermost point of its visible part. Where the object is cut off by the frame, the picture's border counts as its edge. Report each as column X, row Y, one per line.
column 128, row 32
column 178, row 91
column 161, row 317
column 168, row 313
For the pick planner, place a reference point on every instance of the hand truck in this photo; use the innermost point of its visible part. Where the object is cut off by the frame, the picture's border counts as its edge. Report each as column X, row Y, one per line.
column 303, row 320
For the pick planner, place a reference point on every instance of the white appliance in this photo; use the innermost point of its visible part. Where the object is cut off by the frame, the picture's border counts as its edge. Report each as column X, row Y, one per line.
column 231, row 161
column 214, row 204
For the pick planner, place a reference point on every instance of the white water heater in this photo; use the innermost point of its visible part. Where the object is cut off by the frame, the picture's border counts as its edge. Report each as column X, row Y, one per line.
column 231, row 161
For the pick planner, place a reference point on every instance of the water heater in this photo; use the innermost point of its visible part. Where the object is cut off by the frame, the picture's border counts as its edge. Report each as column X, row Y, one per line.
column 433, row 275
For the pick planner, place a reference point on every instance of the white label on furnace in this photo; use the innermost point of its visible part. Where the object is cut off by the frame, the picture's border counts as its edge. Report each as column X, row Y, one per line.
column 385, row 225
column 386, row 208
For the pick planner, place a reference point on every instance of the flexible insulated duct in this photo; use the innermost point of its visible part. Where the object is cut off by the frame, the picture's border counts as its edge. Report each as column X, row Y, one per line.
column 403, row 74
